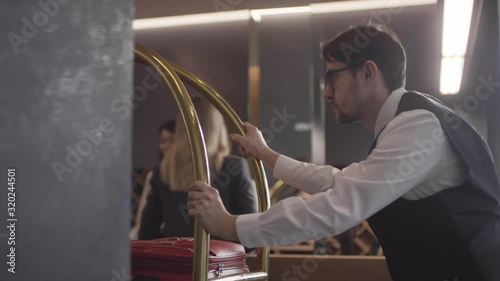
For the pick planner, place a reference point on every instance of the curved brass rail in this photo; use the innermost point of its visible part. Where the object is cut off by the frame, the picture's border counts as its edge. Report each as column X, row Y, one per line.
column 168, row 73
column 196, row 141
column 276, row 190
column 255, row 165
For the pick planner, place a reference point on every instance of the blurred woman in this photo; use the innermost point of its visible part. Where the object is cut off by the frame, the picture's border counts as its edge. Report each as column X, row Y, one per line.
column 167, row 137
column 229, row 174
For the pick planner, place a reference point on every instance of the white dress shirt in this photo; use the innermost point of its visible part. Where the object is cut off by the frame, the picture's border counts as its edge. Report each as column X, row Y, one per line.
column 413, row 159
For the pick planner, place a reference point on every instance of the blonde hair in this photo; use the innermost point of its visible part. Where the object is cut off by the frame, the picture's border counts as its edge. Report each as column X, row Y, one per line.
column 177, row 166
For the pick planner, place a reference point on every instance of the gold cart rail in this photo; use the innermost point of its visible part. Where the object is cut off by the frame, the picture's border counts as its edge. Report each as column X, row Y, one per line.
column 197, row 144
column 168, row 72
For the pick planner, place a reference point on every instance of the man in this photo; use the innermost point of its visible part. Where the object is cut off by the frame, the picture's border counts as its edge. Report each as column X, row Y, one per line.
column 428, row 187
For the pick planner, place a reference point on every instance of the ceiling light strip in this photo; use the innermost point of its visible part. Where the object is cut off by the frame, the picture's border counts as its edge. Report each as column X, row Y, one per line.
column 256, row 14
column 194, row 19
column 350, row 6
column 457, row 17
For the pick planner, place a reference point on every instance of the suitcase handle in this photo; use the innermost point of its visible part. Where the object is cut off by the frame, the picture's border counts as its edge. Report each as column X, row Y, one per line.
column 171, row 240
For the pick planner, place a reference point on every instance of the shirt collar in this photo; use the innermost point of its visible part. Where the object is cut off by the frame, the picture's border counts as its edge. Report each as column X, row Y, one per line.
column 388, row 110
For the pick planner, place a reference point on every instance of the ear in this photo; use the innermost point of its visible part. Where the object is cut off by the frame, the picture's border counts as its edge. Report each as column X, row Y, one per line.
column 369, row 72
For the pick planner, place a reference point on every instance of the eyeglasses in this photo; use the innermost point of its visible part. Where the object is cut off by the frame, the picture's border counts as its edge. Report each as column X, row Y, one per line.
column 331, row 74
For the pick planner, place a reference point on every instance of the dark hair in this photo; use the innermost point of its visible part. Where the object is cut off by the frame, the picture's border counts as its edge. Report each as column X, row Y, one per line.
column 370, row 42
column 168, row 125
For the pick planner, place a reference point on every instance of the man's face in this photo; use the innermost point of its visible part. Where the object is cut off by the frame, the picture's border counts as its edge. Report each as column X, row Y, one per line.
column 340, row 92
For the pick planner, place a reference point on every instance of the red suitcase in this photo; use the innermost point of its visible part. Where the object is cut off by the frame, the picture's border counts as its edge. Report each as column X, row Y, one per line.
column 171, row 259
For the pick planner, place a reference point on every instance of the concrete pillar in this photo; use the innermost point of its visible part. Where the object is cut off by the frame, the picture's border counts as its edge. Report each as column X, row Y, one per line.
column 65, row 124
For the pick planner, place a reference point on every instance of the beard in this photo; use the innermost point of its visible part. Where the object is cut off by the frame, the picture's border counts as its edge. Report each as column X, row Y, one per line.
column 344, row 118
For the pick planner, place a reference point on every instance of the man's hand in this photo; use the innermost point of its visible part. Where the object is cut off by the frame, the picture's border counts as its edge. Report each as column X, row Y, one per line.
column 205, row 204
column 254, row 144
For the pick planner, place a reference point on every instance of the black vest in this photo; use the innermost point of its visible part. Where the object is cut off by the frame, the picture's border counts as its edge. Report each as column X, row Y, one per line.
column 453, row 235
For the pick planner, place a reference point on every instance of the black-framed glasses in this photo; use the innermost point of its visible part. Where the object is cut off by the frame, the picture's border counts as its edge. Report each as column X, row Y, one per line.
column 331, row 74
